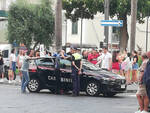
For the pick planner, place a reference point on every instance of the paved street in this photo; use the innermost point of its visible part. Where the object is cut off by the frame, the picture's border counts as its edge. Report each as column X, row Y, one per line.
column 12, row 101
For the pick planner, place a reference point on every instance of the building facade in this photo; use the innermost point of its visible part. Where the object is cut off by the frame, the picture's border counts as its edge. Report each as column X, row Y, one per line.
column 93, row 33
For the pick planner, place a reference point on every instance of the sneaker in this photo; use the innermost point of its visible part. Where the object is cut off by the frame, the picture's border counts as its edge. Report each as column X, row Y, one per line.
column 144, row 112
column 2, row 80
column 9, row 81
column 138, row 111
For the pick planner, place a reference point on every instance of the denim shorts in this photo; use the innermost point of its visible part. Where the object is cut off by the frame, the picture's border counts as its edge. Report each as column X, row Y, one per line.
column 14, row 66
column 135, row 66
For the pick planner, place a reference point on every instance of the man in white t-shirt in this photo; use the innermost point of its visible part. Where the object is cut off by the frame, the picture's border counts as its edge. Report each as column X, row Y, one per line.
column 106, row 59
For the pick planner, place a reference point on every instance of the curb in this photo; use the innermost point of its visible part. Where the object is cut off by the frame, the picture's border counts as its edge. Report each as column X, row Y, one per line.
column 131, row 91
column 14, row 84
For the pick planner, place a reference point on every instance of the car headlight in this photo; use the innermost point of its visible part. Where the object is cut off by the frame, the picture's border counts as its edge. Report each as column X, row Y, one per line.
column 108, row 79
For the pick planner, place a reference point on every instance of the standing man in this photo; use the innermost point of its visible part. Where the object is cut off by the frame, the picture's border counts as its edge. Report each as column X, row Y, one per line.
column 25, row 72
column 76, row 70
column 106, row 59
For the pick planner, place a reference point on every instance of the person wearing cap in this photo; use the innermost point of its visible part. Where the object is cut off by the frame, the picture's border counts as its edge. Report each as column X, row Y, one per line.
column 76, row 70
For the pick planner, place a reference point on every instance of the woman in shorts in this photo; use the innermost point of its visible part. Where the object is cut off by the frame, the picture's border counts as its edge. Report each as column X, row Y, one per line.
column 12, row 65
column 127, row 68
column 134, row 67
column 141, row 93
column 20, row 59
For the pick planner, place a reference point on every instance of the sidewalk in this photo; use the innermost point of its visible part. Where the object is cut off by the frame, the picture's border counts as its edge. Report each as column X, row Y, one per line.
column 14, row 82
column 130, row 88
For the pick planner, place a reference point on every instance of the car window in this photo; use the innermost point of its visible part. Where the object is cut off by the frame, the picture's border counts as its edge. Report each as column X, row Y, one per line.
column 45, row 62
column 65, row 64
column 5, row 53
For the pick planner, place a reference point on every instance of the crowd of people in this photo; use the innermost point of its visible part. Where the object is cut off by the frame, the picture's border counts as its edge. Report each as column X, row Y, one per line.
column 125, row 64
column 134, row 66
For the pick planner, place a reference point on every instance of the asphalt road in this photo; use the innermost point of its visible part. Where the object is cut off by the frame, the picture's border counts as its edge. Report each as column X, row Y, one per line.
column 13, row 101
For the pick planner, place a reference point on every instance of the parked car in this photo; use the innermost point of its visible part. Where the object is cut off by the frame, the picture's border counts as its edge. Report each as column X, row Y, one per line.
column 5, row 50
column 93, row 80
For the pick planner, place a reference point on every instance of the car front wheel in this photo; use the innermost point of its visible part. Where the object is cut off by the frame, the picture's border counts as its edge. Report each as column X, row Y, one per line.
column 92, row 88
column 34, row 85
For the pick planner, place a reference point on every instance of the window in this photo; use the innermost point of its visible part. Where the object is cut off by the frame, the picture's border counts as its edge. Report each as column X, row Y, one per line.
column 5, row 53
column 74, row 28
column 115, row 29
column 45, row 62
column 65, row 64
column 115, row 34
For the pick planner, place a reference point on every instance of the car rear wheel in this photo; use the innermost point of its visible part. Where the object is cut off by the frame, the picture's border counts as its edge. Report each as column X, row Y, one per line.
column 92, row 88
column 34, row 85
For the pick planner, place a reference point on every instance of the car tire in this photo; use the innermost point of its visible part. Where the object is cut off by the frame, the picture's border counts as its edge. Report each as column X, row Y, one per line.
column 92, row 88
column 109, row 94
column 34, row 85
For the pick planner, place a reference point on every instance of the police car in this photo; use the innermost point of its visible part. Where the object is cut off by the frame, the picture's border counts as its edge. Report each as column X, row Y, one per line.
column 93, row 80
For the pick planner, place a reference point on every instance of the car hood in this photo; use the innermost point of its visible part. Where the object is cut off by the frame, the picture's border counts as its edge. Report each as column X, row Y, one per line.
column 104, row 73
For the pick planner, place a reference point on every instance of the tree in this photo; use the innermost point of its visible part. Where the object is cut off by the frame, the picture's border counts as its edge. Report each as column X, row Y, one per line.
column 118, row 8
column 31, row 24
column 76, row 9
column 58, row 25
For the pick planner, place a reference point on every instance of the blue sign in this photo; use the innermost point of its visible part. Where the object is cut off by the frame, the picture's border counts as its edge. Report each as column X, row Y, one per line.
column 114, row 23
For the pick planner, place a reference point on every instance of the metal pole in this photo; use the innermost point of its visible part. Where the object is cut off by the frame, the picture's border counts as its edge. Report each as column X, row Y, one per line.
column 147, row 33
column 106, row 28
column 81, row 34
column 66, row 35
column 111, row 40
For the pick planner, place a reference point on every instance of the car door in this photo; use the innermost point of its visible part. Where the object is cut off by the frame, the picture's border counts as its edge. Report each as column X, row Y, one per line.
column 66, row 79
column 46, row 71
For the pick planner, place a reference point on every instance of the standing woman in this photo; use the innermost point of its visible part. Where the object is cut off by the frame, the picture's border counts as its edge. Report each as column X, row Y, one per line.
column 134, row 66
column 20, row 59
column 12, row 65
column 115, row 63
column 127, row 67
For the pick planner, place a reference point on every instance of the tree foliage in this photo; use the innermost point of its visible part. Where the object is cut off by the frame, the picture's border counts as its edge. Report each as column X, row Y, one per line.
column 76, row 9
column 31, row 23
column 118, row 8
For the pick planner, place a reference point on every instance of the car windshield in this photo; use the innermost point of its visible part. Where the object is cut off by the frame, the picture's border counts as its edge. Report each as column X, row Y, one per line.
column 44, row 62
column 90, row 66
